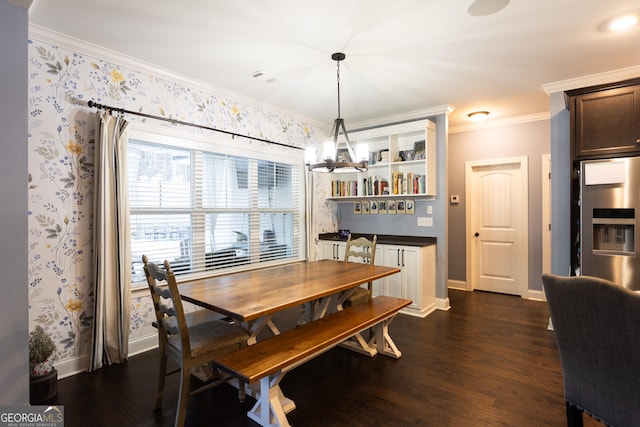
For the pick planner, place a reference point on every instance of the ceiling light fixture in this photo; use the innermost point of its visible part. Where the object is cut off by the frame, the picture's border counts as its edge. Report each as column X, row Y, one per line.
column 486, row 7
column 623, row 23
column 478, row 116
column 348, row 161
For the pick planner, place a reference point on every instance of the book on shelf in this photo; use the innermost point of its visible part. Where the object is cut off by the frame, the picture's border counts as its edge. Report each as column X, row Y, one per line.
column 374, row 186
column 408, row 183
column 344, row 188
column 400, row 183
column 384, row 156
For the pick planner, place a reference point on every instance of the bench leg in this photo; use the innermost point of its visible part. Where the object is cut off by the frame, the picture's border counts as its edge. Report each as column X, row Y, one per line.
column 384, row 343
column 360, row 345
column 272, row 406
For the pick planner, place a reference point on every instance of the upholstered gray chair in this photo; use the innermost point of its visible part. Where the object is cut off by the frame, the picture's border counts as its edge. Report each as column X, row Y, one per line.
column 597, row 328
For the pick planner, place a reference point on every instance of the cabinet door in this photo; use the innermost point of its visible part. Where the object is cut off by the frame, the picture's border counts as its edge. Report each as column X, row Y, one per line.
column 392, row 257
column 411, row 275
column 606, row 122
column 332, row 250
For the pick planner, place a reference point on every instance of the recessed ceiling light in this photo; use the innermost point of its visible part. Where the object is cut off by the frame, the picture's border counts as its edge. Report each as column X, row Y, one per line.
column 478, row 116
column 623, row 23
column 486, row 7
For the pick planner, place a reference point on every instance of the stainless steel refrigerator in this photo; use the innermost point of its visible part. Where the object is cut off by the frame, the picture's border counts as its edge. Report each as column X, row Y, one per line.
column 609, row 208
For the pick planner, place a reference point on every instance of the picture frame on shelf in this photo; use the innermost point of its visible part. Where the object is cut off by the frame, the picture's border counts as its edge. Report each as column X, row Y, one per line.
column 382, row 207
column 409, row 207
column 342, row 155
column 366, row 207
column 373, row 157
column 405, row 155
column 400, row 207
column 357, row 208
column 392, row 207
column 374, row 207
column 419, row 150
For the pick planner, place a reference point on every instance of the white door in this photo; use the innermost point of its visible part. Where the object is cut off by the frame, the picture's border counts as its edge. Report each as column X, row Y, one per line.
column 497, row 225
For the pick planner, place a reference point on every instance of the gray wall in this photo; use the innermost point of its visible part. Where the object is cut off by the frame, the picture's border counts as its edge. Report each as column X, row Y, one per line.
column 560, row 186
column 14, row 366
column 531, row 139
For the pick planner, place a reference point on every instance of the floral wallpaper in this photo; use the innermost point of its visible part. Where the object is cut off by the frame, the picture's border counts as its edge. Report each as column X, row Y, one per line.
column 62, row 132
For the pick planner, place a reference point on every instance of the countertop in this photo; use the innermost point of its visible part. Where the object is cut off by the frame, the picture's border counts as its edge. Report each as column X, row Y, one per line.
column 383, row 239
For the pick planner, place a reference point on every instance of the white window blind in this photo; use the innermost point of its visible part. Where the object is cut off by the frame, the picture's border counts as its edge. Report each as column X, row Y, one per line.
column 204, row 207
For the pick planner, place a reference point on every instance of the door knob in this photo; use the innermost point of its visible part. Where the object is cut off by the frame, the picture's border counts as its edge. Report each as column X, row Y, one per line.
column 476, row 234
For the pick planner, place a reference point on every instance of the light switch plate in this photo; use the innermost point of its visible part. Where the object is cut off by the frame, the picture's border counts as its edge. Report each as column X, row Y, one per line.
column 425, row 221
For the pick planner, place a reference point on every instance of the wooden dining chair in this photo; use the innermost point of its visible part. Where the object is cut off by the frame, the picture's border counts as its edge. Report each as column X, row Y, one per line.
column 188, row 340
column 365, row 250
column 597, row 328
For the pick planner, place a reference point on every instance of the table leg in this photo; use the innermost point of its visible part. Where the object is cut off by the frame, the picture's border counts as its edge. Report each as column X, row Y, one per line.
column 256, row 327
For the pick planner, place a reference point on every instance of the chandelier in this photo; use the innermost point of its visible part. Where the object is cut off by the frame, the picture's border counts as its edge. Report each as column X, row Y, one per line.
column 338, row 157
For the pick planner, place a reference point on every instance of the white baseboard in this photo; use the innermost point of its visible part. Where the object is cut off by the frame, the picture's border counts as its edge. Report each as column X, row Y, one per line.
column 140, row 345
column 535, row 295
column 443, row 304
column 76, row 365
column 419, row 313
column 457, row 284
column 461, row 285
column 69, row 367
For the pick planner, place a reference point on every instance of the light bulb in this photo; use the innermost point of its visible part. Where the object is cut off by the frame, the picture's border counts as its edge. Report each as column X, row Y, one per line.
column 329, row 151
column 623, row 23
column 362, row 152
column 310, row 155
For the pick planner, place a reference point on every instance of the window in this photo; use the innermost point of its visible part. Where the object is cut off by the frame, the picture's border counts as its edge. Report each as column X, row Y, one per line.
column 207, row 206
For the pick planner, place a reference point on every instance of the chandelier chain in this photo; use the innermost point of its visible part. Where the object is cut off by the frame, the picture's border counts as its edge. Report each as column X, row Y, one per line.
column 338, row 79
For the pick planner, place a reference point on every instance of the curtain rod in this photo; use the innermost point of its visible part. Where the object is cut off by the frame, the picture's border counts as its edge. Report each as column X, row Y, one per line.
column 92, row 104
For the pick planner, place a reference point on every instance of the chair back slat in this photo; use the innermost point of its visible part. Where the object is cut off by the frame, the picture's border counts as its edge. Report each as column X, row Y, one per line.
column 162, row 291
column 361, row 248
column 167, row 302
column 364, row 249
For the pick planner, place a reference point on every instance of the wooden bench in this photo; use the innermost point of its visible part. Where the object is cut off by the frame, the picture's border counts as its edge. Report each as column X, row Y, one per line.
column 267, row 361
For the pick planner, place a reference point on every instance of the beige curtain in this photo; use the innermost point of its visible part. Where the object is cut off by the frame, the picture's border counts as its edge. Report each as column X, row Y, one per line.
column 111, row 246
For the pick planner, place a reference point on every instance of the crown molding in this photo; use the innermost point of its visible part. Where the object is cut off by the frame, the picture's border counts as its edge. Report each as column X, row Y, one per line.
column 87, row 48
column 402, row 117
column 593, row 80
column 25, row 4
column 536, row 117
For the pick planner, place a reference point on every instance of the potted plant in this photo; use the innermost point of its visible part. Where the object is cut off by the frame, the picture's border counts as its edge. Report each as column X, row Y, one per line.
column 43, row 376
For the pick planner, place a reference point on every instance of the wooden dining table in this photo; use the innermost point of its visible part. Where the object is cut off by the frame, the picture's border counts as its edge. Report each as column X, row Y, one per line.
column 252, row 297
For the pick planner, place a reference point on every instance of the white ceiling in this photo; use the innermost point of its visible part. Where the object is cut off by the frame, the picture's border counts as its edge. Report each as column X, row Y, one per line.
column 401, row 55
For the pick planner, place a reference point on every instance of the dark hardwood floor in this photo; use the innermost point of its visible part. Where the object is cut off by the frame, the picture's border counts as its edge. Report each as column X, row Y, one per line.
column 489, row 361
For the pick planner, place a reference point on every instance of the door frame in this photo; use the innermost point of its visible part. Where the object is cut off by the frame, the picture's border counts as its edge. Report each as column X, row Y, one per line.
column 523, row 161
column 546, row 213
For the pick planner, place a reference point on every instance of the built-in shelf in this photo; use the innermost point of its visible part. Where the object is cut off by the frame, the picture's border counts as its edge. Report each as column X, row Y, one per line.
column 402, row 164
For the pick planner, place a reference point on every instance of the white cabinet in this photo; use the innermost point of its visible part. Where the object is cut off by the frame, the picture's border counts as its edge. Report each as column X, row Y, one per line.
column 416, row 281
column 417, row 278
column 332, row 250
column 402, row 161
